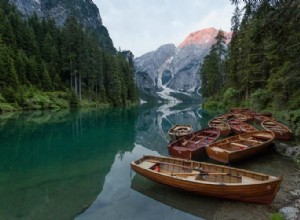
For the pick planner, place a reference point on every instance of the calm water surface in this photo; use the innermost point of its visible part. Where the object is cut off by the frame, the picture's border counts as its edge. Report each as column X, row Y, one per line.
column 76, row 165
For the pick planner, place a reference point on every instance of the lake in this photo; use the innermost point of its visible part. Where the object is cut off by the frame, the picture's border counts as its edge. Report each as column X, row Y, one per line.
column 76, row 165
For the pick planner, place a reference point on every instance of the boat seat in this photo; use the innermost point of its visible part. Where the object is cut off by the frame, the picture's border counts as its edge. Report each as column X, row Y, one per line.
column 180, row 148
column 239, row 145
column 147, row 164
column 218, row 149
column 253, row 141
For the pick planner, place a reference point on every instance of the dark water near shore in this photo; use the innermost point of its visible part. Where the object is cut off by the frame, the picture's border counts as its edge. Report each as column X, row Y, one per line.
column 76, row 165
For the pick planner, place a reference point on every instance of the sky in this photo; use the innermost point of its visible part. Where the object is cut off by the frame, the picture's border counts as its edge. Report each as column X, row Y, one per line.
column 142, row 26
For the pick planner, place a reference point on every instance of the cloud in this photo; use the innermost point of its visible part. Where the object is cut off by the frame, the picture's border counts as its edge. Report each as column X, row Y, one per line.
column 144, row 25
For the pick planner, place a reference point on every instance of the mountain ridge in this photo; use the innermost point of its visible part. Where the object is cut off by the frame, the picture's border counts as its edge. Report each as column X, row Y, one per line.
column 172, row 70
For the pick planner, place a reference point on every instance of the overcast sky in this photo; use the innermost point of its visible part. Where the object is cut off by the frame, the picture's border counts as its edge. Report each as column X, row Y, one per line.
column 143, row 25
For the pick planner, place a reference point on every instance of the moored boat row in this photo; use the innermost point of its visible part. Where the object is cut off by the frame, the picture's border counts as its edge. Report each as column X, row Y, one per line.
column 182, row 171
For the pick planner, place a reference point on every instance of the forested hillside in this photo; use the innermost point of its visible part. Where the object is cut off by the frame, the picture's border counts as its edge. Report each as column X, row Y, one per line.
column 43, row 66
column 261, row 68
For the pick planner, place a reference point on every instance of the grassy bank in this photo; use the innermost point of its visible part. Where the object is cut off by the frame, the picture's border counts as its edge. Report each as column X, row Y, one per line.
column 37, row 100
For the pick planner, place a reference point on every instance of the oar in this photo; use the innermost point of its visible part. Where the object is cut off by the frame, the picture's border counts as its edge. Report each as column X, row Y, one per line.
column 204, row 139
column 198, row 174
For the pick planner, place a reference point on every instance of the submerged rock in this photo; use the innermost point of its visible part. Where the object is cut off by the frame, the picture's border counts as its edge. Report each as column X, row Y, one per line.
column 290, row 213
column 288, row 151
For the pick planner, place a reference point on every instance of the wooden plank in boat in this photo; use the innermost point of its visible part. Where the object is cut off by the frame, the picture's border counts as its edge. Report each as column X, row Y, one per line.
column 252, row 140
column 147, row 164
column 247, row 180
column 218, row 149
column 239, row 145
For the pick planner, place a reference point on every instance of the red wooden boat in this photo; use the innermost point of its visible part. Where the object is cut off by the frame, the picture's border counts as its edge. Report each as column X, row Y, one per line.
column 281, row 131
column 243, row 117
column 240, row 110
column 239, row 127
column 261, row 118
column 240, row 146
column 221, row 125
column 209, row 179
column 192, row 146
column 268, row 114
column 225, row 117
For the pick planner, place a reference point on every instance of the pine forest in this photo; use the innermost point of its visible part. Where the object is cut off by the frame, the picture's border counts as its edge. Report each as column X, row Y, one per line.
column 260, row 68
column 43, row 66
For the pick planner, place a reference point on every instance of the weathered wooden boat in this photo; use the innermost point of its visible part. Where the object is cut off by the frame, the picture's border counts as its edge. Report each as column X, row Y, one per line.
column 240, row 110
column 225, row 117
column 261, row 118
column 209, row 179
column 281, row 131
column 192, row 146
column 239, row 127
column 240, row 146
column 243, row 117
column 244, row 114
column 268, row 114
column 179, row 131
column 221, row 125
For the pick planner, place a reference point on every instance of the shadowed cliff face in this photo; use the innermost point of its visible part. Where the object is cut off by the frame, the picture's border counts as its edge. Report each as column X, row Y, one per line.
column 85, row 12
column 172, row 73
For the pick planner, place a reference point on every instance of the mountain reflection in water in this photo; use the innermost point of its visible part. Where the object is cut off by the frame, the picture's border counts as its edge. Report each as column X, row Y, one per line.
column 76, row 164
column 118, row 199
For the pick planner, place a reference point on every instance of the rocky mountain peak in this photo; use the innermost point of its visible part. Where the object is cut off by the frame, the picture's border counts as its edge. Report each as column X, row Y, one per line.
column 204, row 36
column 172, row 73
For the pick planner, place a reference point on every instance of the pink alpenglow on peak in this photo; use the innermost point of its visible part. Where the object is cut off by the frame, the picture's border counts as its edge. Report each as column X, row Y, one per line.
column 205, row 36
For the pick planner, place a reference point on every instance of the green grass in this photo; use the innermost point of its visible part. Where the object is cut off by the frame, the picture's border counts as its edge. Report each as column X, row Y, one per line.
column 276, row 216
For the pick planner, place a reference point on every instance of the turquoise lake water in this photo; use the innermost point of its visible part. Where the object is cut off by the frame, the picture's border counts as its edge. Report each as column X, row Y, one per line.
column 76, row 165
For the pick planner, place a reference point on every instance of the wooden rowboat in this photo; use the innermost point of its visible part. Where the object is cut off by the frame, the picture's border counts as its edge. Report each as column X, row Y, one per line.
column 240, row 110
column 281, row 131
column 239, row 127
column 225, row 117
column 221, row 125
column 240, row 146
column 179, row 131
column 209, row 179
column 261, row 118
column 243, row 117
column 192, row 146
column 268, row 114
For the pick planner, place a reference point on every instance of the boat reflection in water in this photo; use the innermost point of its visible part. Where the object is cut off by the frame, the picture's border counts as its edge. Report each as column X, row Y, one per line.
column 200, row 206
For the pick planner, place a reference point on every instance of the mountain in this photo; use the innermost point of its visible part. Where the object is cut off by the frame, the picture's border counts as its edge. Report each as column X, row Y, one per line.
column 170, row 73
column 85, row 11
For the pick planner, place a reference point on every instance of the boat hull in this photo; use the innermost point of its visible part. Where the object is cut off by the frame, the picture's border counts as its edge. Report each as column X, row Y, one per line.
column 221, row 125
column 263, row 192
column 179, row 131
column 281, row 131
column 239, row 127
column 225, row 151
column 192, row 146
